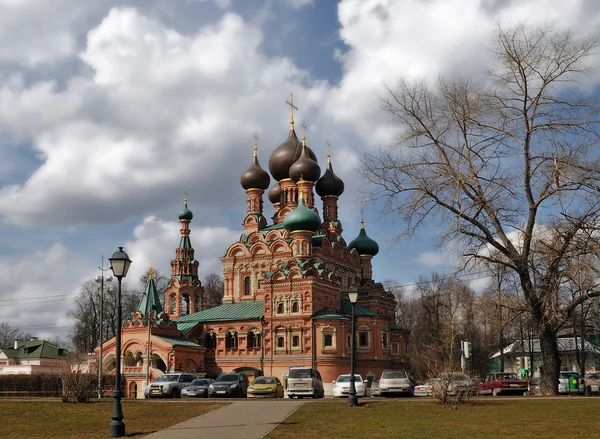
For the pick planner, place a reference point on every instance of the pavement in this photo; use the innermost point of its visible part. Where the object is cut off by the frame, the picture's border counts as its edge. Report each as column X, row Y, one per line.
column 240, row 420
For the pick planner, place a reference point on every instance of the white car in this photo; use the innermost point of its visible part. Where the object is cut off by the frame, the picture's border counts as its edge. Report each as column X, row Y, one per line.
column 342, row 386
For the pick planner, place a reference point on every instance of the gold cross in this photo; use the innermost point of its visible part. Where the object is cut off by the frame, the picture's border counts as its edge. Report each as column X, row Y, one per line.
column 292, row 107
column 150, row 272
column 255, row 142
column 185, row 198
column 303, row 128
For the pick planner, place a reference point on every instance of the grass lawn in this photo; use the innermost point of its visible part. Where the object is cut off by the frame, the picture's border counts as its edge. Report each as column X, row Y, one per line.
column 564, row 418
column 47, row 419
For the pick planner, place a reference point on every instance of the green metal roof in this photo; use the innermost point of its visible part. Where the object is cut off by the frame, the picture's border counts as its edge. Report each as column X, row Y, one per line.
column 35, row 349
column 150, row 301
column 327, row 313
column 254, row 310
column 359, row 310
column 180, row 342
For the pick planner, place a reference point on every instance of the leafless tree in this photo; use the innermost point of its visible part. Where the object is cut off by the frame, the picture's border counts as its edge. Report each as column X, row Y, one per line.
column 511, row 168
column 214, row 288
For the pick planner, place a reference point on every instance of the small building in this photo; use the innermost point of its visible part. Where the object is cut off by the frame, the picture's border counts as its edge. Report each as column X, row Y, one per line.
column 32, row 357
column 526, row 356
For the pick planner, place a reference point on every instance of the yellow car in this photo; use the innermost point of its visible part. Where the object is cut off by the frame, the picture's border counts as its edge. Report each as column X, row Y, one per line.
column 265, row 387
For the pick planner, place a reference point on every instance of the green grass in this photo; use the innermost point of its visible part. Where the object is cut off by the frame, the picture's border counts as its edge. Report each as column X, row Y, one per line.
column 563, row 418
column 50, row 419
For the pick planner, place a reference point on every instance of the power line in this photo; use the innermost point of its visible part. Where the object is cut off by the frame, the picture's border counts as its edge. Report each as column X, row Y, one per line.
column 41, row 297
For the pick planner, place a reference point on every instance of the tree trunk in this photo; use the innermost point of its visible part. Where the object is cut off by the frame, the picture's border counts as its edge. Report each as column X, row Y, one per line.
column 550, row 362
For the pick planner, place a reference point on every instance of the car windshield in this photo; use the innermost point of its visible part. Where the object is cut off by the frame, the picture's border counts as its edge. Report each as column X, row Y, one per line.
column 299, row 373
column 346, row 378
column 393, row 374
column 227, row 378
column 264, row 380
column 169, row 378
column 566, row 375
column 506, row 376
column 200, row 383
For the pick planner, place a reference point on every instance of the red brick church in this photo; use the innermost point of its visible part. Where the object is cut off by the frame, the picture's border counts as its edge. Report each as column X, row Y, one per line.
column 285, row 300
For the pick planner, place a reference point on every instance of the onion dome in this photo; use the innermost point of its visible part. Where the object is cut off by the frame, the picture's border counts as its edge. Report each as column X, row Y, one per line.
column 305, row 168
column 285, row 155
column 186, row 214
column 255, row 177
column 329, row 183
column 363, row 244
column 302, row 218
column 275, row 194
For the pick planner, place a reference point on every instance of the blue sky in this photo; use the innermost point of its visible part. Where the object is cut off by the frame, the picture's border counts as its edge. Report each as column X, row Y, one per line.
column 110, row 110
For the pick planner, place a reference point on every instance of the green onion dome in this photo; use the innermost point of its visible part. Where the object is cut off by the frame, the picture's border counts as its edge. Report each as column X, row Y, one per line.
column 363, row 244
column 329, row 183
column 255, row 177
column 305, row 168
column 302, row 218
column 284, row 156
column 186, row 214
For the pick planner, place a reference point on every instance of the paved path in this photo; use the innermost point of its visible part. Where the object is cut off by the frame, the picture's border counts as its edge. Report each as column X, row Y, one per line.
column 240, row 420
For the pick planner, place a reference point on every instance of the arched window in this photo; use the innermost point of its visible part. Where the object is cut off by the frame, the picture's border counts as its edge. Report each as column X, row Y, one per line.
column 208, row 341
column 295, row 341
column 258, row 340
column 251, row 340
column 231, row 340
column 280, row 308
column 295, row 307
column 214, row 341
column 247, row 286
column 280, row 342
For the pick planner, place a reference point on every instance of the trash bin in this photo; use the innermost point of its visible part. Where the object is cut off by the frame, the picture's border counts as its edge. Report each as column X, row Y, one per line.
column 573, row 384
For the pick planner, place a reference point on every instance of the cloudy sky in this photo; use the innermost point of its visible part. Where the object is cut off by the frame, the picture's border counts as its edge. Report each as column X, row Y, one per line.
column 111, row 109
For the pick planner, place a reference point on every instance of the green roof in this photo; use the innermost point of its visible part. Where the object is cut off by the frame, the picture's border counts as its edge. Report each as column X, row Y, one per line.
column 180, row 342
column 359, row 310
column 327, row 313
column 254, row 310
column 35, row 349
column 150, row 301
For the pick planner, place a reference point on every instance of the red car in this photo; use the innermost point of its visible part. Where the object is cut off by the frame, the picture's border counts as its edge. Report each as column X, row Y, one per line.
column 502, row 383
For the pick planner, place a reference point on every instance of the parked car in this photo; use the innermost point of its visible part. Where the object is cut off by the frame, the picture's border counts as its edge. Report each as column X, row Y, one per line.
column 570, row 382
column 265, row 387
column 169, row 385
column 498, row 383
column 197, row 388
column 592, row 379
column 341, row 386
column 425, row 389
column 304, row 381
column 229, row 385
column 375, row 387
column 453, row 383
column 394, row 381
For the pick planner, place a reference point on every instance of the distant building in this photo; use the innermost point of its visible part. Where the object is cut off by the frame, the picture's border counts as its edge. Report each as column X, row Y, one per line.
column 32, row 357
column 286, row 283
column 527, row 356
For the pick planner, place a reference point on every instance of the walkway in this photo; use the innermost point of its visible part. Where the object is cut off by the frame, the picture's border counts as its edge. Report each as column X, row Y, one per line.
column 239, row 420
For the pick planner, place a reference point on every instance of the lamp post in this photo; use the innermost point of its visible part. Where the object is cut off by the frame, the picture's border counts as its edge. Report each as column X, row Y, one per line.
column 101, row 280
column 119, row 264
column 352, row 399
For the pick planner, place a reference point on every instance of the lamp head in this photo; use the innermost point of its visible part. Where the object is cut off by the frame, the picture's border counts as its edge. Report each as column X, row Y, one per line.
column 352, row 294
column 119, row 263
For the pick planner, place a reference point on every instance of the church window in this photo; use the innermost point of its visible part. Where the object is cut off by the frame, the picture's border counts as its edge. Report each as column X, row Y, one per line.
column 295, row 341
column 280, row 308
column 295, row 307
column 231, row 340
column 328, row 340
column 363, row 339
column 253, row 340
column 208, row 341
column 247, row 286
column 280, row 342
column 385, row 340
column 406, row 349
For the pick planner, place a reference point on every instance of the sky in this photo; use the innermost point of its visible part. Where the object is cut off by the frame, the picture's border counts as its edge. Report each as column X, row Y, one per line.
column 110, row 110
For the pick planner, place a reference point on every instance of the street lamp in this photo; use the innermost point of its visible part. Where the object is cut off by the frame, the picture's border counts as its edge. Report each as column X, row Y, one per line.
column 100, row 279
column 352, row 399
column 119, row 264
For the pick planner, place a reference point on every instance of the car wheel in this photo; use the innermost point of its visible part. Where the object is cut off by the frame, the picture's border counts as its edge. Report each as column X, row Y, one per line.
column 175, row 393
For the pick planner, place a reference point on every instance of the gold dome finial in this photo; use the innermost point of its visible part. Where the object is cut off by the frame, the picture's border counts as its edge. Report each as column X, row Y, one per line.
column 255, row 144
column 292, row 108
column 150, row 272
column 328, row 152
column 185, row 198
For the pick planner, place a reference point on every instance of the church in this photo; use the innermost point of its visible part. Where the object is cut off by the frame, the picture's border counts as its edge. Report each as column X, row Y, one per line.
column 285, row 297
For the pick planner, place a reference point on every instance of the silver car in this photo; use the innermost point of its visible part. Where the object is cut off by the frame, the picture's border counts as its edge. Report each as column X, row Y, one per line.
column 197, row 388
column 395, row 382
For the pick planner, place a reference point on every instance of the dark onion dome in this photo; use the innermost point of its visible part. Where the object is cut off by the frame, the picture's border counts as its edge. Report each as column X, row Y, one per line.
column 329, row 183
column 302, row 218
column 255, row 177
column 363, row 244
column 305, row 168
column 186, row 214
column 275, row 194
column 285, row 155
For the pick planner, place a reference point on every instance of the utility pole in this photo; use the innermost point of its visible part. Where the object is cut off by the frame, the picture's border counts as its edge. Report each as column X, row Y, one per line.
column 100, row 279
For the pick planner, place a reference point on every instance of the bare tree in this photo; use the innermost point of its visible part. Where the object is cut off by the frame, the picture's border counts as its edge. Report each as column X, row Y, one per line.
column 510, row 167
column 9, row 335
column 214, row 289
